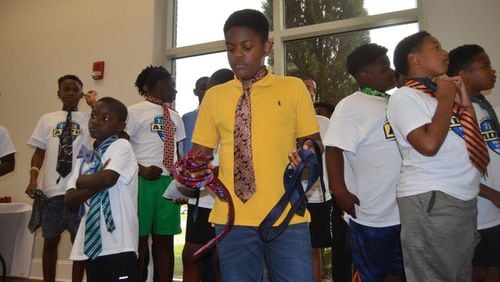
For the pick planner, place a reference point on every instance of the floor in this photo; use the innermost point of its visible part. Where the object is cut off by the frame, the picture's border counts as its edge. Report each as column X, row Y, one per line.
column 14, row 279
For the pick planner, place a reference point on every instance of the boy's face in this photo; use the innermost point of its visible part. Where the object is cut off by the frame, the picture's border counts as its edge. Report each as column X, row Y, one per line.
column 431, row 59
column 166, row 90
column 70, row 93
column 480, row 76
column 311, row 87
column 104, row 122
column 380, row 76
column 245, row 51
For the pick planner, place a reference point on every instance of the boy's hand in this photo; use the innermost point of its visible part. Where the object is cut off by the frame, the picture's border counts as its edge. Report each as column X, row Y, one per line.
column 346, row 201
column 90, row 97
column 294, row 156
column 150, row 172
column 30, row 190
column 180, row 201
column 446, row 89
column 462, row 98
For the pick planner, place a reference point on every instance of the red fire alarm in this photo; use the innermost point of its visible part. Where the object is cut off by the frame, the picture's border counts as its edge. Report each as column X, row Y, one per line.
column 98, row 70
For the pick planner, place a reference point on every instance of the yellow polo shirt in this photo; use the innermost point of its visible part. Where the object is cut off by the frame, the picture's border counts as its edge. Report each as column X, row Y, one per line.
column 282, row 111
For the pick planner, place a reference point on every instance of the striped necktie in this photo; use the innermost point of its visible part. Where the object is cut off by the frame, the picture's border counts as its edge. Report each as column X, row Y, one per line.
column 92, row 242
column 244, row 175
column 476, row 148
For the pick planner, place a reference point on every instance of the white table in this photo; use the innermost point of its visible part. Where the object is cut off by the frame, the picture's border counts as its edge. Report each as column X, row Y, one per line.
column 16, row 241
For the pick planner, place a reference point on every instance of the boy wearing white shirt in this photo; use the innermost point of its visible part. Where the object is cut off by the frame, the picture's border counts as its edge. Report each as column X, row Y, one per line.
column 432, row 118
column 155, row 131
column 47, row 140
column 473, row 65
column 104, row 183
column 363, row 164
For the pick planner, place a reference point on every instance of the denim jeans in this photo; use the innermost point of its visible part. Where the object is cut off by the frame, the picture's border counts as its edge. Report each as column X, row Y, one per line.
column 242, row 255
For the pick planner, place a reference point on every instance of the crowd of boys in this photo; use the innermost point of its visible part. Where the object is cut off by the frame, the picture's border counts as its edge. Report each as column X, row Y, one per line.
column 405, row 170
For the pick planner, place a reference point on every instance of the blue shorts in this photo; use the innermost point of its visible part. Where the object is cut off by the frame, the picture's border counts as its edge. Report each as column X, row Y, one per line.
column 56, row 218
column 376, row 251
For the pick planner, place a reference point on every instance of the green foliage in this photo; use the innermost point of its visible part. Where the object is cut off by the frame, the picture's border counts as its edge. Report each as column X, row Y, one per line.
column 322, row 58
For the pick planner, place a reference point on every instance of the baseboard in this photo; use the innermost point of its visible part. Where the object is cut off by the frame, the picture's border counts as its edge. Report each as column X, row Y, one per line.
column 63, row 270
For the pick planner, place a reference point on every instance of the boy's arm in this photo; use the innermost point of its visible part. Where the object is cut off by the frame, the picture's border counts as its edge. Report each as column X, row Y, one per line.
column 294, row 156
column 344, row 199
column 427, row 139
column 88, row 185
column 490, row 194
column 36, row 165
column 7, row 164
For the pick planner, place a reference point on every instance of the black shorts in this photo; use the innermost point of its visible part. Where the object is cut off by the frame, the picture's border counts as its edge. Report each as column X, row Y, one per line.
column 201, row 231
column 320, row 225
column 120, row 267
column 487, row 252
column 56, row 218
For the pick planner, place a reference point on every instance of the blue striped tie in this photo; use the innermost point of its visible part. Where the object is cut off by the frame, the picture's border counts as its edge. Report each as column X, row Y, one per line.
column 92, row 242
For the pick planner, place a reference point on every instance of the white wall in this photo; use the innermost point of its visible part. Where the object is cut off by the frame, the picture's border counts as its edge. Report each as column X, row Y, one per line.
column 43, row 40
column 458, row 22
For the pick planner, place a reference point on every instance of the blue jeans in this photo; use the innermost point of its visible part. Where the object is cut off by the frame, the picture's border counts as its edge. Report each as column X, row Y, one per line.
column 242, row 255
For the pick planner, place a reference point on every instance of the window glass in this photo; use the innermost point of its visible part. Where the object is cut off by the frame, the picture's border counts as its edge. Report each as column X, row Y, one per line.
column 187, row 71
column 323, row 58
column 202, row 21
column 307, row 12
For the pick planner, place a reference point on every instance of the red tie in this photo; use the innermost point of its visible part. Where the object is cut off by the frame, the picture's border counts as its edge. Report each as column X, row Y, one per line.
column 476, row 148
column 168, row 140
column 244, row 176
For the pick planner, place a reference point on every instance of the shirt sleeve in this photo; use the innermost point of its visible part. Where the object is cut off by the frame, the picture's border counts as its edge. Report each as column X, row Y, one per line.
column 307, row 124
column 342, row 133
column 406, row 112
column 75, row 173
column 39, row 138
column 6, row 146
column 121, row 159
column 205, row 132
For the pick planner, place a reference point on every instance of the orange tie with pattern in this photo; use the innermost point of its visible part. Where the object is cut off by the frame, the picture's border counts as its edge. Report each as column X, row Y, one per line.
column 244, row 175
column 168, row 141
column 476, row 148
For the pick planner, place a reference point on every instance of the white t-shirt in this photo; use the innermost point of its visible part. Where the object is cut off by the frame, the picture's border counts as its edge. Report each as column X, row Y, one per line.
column 449, row 171
column 6, row 146
column 315, row 194
column 144, row 126
column 371, row 158
column 46, row 137
column 123, row 199
column 488, row 214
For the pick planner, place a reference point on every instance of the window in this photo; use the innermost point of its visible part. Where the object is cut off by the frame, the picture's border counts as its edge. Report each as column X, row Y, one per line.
column 195, row 45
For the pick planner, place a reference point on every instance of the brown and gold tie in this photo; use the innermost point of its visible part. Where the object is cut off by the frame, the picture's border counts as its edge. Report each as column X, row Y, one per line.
column 476, row 148
column 244, row 175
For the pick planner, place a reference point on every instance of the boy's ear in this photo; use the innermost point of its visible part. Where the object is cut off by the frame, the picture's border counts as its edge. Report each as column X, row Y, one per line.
column 121, row 126
column 58, row 94
column 413, row 59
column 268, row 47
column 463, row 75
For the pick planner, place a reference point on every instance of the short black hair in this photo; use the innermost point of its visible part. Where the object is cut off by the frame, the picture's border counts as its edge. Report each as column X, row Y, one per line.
column 249, row 18
column 117, row 106
column 220, row 76
column 462, row 57
column 143, row 76
column 328, row 106
column 68, row 76
column 363, row 55
column 409, row 44
column 201, row 83
column 156, row 75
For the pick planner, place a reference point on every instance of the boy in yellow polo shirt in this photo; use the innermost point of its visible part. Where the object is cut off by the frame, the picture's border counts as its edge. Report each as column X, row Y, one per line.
column 257, row 118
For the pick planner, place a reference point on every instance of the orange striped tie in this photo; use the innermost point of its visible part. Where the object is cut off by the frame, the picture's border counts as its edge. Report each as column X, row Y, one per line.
column 476, row 147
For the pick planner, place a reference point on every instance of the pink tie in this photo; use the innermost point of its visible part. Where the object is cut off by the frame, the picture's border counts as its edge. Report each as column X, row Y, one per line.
column 168, row 141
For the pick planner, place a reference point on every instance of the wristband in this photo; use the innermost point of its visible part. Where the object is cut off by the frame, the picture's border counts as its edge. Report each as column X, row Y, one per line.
column 34, row 168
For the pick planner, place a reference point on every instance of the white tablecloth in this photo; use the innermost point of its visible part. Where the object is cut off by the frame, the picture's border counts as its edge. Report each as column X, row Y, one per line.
column 16, row 241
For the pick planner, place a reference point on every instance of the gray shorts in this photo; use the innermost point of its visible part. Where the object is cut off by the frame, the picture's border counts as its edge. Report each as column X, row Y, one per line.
column 438, row 236
column 56, row 218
